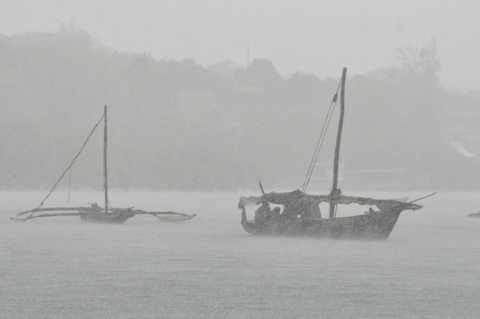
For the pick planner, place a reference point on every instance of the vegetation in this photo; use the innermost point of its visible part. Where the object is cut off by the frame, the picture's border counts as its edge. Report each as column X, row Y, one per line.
column 177, row 125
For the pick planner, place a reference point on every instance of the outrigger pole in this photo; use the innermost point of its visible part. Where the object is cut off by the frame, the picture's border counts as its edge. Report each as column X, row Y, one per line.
column 105, row 176
column 337, row 147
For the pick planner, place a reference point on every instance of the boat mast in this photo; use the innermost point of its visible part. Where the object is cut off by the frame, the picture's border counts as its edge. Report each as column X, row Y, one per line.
column 105, row 176
column 339, row 137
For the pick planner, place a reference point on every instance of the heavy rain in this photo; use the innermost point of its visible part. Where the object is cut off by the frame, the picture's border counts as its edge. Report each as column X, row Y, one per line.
column 239, row 159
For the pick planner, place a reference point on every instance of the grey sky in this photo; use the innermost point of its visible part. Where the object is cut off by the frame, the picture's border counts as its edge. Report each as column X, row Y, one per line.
column 318, row 37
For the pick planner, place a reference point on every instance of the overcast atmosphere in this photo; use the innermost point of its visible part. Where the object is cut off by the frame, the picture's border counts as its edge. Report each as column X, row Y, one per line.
column 239, row 159
column 307, row 36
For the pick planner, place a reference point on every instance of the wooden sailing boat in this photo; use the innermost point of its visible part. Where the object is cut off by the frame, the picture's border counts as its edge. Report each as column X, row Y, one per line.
column 301, row 215
column 95, row 213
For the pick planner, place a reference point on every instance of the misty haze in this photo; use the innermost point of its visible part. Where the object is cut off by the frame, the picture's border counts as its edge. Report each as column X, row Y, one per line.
column 211, row 108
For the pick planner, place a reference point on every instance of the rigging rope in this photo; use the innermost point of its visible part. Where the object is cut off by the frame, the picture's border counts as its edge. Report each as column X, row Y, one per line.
column 69, row 183
column 321, row 138
column 321, row 143
column 71, row 164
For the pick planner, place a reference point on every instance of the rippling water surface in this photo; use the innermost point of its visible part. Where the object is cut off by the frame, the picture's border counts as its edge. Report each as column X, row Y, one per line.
column 209, row 267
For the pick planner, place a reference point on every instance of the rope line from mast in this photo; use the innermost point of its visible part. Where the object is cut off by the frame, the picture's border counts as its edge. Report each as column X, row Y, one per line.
column 110, row 204
column 71, row 164
column 321, row 138
column 321, row 143
column 69, row 182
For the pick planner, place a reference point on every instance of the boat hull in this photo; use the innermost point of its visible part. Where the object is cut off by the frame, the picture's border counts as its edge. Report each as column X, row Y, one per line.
column 114, row 218
column 373, row 226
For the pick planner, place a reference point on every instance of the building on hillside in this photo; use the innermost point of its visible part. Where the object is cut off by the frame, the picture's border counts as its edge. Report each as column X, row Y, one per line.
column 464, row 130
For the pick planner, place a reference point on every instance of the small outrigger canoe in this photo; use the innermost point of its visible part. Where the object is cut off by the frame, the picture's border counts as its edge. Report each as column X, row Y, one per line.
column 475, row 215
column 95, row 213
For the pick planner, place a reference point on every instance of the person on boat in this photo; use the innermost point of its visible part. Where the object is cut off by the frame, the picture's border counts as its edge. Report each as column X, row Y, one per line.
column 262, row 212
column 274, row 214
column 299, row 209
column 95, row 206
column 293, row 210
column 370, row 211
column 312, row 211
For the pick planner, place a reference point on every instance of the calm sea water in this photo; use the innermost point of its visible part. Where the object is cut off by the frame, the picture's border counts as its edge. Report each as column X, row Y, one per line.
column 209, row 267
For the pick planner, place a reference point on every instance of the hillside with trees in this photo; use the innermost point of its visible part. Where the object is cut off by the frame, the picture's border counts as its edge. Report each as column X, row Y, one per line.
column 176, row 125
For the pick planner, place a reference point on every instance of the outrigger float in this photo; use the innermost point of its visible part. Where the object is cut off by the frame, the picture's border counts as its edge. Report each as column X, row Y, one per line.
column 301, row 213
column 95, row 213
